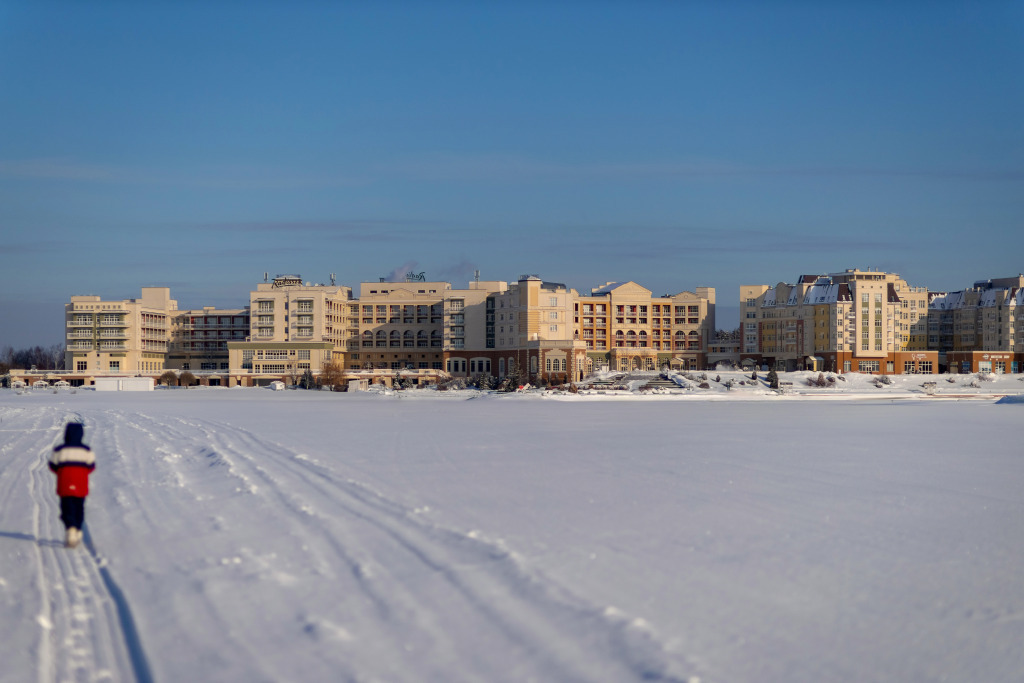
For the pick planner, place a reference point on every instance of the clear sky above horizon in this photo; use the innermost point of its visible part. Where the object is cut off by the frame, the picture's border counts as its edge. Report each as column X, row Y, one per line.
column 197, row 145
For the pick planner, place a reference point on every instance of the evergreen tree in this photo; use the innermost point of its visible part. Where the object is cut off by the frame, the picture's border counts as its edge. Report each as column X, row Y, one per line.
column 773, row 379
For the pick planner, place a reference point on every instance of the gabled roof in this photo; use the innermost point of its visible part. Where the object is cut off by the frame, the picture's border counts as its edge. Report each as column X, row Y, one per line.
column 827, row 293
column 617, row 286
column 946, row 301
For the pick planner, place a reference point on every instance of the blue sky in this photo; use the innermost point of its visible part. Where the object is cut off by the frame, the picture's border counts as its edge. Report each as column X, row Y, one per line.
column 197, row 145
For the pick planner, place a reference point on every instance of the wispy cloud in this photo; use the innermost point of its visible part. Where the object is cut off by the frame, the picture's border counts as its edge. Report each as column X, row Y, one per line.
column 56, row 169
column 226, row 176
column 520, row 168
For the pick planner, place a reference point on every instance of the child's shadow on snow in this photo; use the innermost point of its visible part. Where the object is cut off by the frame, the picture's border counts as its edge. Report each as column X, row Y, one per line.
column 29, row 537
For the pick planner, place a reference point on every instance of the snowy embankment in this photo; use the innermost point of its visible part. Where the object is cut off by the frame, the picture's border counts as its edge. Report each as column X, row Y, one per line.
column 244, row 534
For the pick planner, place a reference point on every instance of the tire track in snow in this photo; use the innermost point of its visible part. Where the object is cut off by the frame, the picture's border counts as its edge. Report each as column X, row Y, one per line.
column 427, row 582
column 82, row 637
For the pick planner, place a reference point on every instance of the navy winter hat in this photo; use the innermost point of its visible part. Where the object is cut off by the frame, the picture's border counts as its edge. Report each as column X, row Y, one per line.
column 73, row 434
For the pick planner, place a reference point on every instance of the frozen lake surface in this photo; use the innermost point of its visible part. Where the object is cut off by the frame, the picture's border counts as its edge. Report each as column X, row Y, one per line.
column 252, row 535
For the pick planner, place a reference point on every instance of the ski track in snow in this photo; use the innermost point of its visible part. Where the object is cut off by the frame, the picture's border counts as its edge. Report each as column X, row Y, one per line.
column 79, row 635
column 426, row 601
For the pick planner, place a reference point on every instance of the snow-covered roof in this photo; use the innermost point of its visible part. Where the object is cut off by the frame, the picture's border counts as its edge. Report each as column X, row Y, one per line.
column 947, row 301
column 826, row 293
column 607, row 288
column 990, row 297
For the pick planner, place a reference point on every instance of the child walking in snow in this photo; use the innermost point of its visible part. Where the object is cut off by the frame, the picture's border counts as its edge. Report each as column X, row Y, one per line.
column 72, row 462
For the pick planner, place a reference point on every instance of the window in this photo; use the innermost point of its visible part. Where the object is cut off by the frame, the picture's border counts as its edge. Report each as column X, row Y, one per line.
column 553, row 301
column 867, row 366
column 82, row 365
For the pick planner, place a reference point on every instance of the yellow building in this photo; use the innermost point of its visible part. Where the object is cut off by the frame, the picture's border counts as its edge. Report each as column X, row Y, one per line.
column 853, row 321
column 129, row 336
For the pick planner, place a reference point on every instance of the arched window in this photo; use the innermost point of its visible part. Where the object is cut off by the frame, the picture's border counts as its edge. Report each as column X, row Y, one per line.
column 367, row 338
column 435, row 338
column 547, row 365
column 408, row 339
column 396, row 338
column 421, row 338
column 382, row 338
column 501, row 367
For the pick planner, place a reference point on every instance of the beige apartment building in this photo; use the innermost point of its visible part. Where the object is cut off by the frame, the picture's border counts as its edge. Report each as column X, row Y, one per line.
column 624, row 327
column 534, row 334
column 294, row 326
column 855, row 321
column 130, row 336
column 199, row 339
column 980, row 329
column 427, row 327
column 147, row 336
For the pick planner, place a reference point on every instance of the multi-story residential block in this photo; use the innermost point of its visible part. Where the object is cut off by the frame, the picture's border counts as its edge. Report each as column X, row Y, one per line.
column 626, row 328
column 199, row 338
column 424, row 326
column 980, row 328
column 115, row 337
column 863, row 321
column 534, row 334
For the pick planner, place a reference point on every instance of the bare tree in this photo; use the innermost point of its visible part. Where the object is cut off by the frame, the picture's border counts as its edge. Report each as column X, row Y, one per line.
column 331, row 375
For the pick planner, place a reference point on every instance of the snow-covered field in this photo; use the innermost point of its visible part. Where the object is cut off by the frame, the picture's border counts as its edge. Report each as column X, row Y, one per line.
column 724, row 535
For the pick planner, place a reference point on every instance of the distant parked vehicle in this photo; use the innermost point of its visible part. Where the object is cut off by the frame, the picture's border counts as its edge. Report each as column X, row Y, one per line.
column 40, row 384
column 61, row 384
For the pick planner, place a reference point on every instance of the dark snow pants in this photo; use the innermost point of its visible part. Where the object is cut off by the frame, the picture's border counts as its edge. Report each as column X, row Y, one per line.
column 72, row 511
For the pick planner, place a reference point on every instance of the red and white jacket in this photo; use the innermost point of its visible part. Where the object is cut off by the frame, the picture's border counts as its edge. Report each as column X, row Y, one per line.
column 73, row 465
